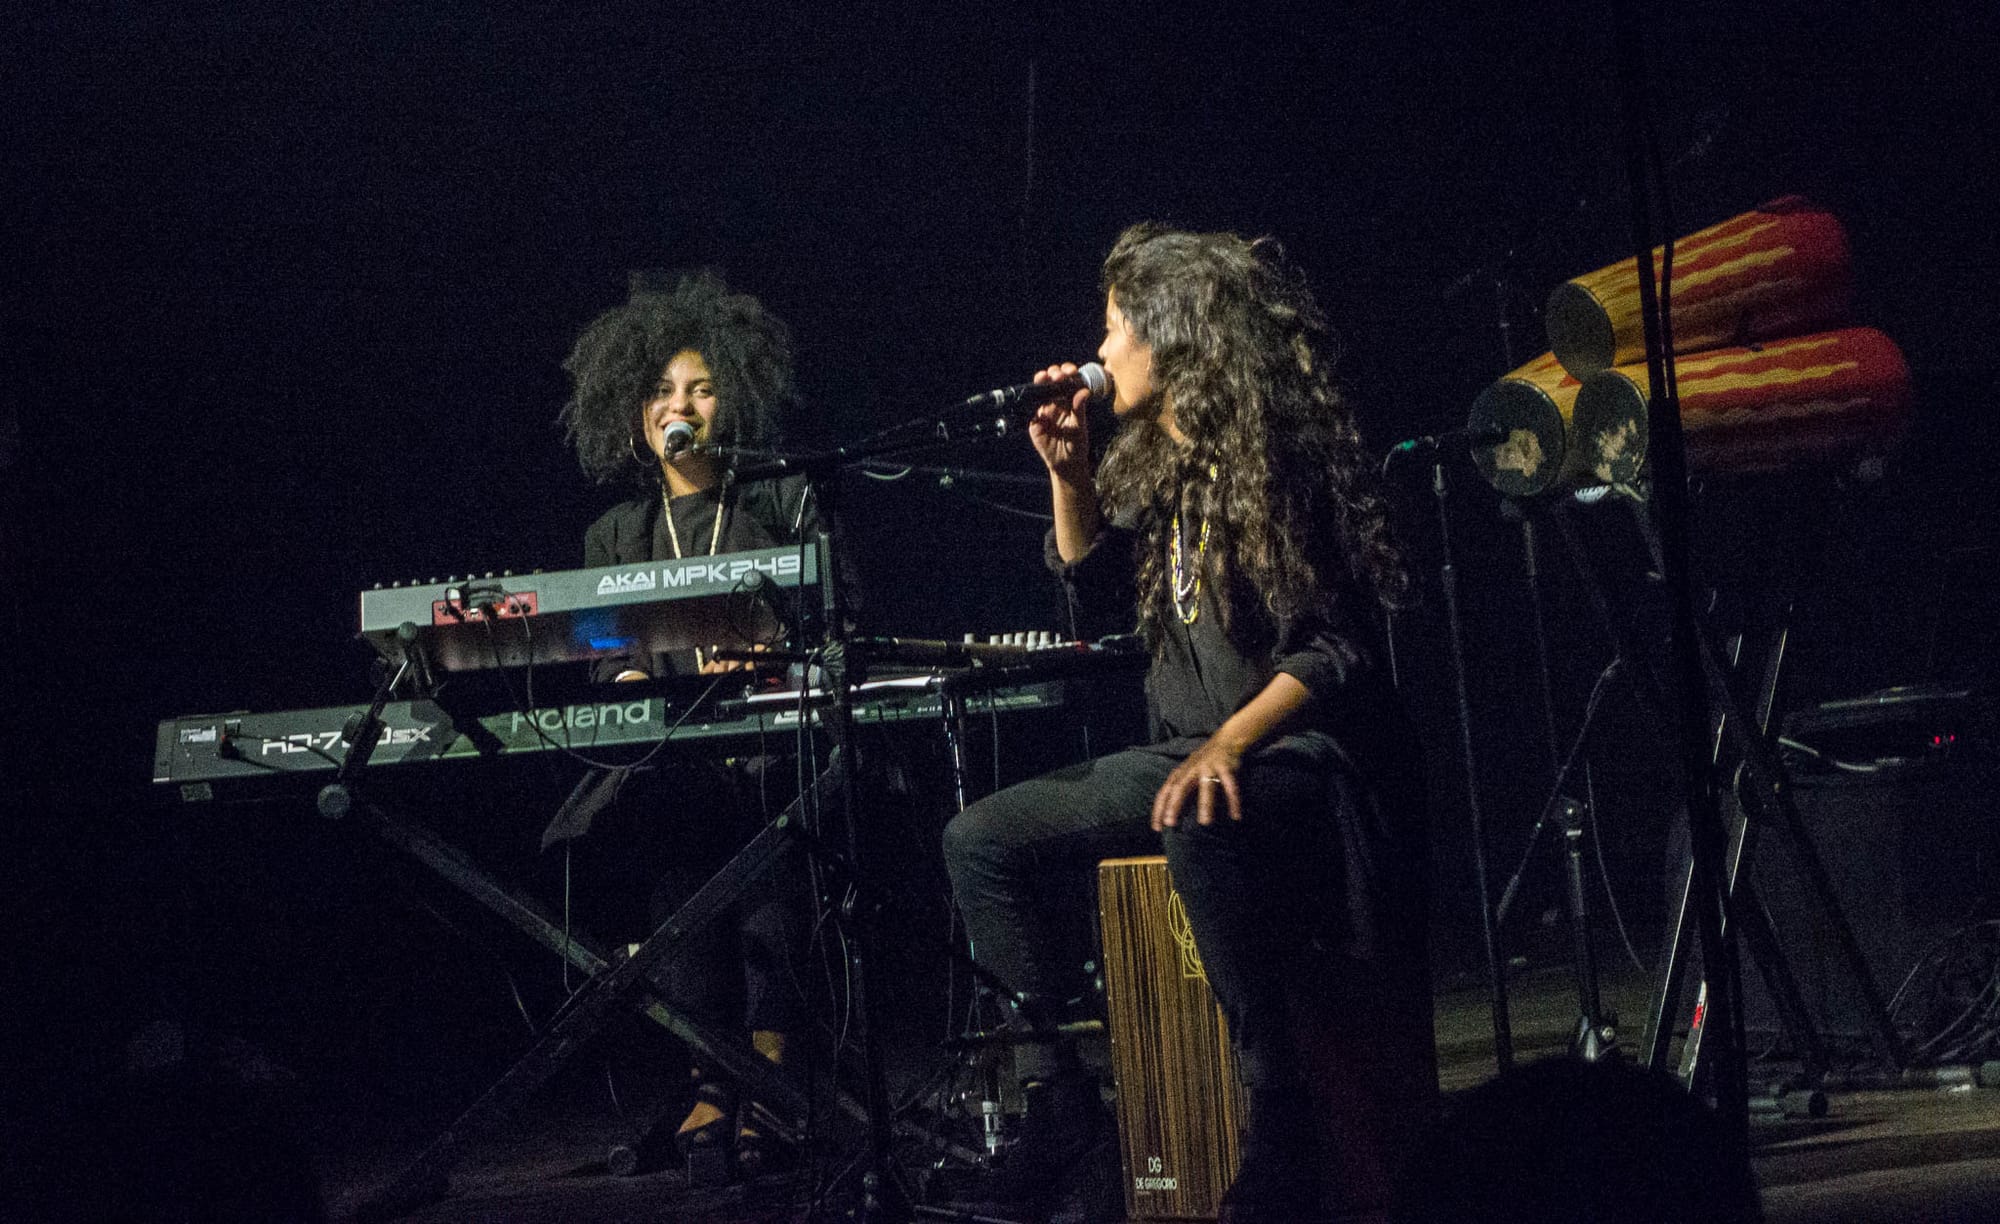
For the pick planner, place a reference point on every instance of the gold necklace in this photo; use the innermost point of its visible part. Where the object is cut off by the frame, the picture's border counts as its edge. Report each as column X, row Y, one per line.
column 1186, row 579
column 674, row 535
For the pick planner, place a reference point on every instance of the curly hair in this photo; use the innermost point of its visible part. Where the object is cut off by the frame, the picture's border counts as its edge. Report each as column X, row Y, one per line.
column 1274, row 462
column 616, row 363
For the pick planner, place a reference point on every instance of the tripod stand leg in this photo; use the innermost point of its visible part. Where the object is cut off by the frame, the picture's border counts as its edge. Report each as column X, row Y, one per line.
column 1597, row 1036
column 1761, row 937
column 1666, row 1010
column 1769, row 789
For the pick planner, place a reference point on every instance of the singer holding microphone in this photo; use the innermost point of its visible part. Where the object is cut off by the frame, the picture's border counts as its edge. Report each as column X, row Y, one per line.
column 676, row 370
column 1234, row 514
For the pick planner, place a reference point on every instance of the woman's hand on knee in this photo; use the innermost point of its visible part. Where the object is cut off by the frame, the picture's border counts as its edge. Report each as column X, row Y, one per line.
column 1207, row 779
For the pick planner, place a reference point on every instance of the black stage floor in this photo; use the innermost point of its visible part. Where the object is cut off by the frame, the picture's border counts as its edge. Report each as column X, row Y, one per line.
column 1910, row 1154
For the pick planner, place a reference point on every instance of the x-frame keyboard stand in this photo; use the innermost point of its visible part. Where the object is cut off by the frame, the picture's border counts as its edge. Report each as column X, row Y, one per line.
column 612, row 987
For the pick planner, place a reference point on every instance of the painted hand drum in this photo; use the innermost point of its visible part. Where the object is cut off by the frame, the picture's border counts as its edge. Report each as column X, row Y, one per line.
column 1780, row 270
column 1523, row 431
column 1832, row 398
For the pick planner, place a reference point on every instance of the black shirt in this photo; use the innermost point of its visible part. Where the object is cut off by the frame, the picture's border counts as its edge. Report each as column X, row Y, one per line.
column 1200, row 674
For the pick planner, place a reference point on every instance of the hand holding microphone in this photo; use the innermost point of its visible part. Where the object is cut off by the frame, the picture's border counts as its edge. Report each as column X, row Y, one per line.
column 1055, row 383
column 1060, row 428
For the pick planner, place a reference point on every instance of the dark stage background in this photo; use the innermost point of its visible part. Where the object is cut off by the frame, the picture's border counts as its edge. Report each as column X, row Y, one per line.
column 289, row 286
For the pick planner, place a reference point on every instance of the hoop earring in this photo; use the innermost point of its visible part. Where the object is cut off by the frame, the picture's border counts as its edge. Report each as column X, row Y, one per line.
column 645, row 461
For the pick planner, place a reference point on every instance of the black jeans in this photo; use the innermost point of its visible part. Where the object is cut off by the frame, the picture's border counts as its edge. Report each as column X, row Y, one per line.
column 1255, row 892
column 662, row 834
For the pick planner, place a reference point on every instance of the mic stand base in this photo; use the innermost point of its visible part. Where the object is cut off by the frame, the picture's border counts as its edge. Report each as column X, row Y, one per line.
column 1596, row 1033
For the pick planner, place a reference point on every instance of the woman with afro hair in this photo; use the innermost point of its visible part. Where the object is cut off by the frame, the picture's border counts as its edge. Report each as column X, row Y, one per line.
column 697, row 357
column 721, row 364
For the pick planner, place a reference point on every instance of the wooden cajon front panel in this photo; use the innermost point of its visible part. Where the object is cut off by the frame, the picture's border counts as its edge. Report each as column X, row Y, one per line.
column 1180, row 1105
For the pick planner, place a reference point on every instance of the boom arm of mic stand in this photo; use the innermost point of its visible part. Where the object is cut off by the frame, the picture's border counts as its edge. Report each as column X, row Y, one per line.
column 937, row 432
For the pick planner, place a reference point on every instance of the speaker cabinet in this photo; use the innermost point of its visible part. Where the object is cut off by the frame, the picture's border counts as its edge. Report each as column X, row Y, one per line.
column 1180, row 1106
column 1911, row 853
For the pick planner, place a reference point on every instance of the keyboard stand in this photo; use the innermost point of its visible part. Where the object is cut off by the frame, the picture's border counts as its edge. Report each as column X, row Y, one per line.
column 613, row 983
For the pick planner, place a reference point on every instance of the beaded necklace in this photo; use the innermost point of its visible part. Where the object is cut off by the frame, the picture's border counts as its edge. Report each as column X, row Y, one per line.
column 714, row 540
column 1186, row 579
column 1187, row 584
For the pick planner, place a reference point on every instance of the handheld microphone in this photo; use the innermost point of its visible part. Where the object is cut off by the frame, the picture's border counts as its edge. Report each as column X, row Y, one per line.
column 1089, row 376
column 676, row 437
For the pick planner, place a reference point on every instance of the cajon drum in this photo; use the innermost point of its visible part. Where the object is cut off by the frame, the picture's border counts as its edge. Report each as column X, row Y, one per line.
column 1180, row 1105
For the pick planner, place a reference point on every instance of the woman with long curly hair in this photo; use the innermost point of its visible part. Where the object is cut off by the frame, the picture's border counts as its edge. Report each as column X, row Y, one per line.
column 660, row 382
column 1234, row 510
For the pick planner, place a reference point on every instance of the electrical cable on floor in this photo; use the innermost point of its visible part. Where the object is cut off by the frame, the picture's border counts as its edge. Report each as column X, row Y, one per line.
column 1604, row 872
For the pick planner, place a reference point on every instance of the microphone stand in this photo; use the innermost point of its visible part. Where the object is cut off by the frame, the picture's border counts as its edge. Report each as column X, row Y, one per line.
column 1496, row 966
column 1596, row 1030
column 845, row 659
column 1706, row 833
column 883, row 1198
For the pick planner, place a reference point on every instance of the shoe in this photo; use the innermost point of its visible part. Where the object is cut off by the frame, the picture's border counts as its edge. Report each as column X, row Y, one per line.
column 1271, row 1190
column 706, row 1148
column 1064, row 1123
column 760, row 1150
column 1279, row 1179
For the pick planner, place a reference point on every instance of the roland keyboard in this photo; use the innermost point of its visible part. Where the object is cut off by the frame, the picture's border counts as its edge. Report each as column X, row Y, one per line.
column 731, row 599
column 243, row 753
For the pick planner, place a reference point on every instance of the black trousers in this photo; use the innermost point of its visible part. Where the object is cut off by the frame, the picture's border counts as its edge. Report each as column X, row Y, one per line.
column 1256, row 892
column 661, row 835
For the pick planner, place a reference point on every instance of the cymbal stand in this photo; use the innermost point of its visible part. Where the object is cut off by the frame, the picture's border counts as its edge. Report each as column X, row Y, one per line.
column 952, row 712
column 986, row 1044
column 883, row 1196
column 845, row 660
column 868, row 900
